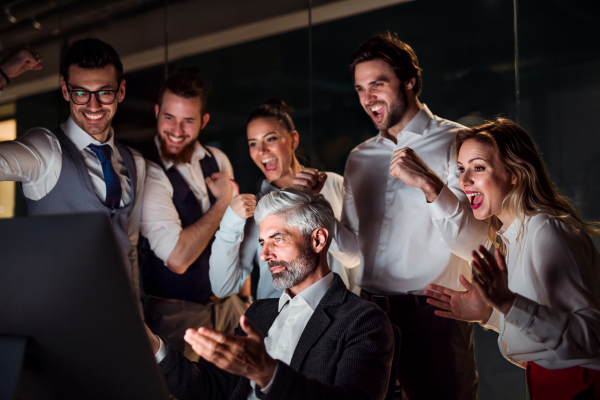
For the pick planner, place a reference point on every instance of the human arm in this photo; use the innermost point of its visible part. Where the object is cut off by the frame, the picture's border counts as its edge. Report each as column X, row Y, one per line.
column 232, row 254
column 33, row 159
column 178, row 247
column 346, row 246
column 15, row 64
column 566, row 319
column 447, row 202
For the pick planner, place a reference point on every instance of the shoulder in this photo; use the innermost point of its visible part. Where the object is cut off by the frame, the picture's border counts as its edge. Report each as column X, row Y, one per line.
column 217, row 154
column 363, row 313
column 547, row 231
column 40, row 139
column 445, row 125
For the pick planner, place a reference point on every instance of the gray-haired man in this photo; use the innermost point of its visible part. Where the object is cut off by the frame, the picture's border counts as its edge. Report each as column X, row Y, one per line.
column 322, row 341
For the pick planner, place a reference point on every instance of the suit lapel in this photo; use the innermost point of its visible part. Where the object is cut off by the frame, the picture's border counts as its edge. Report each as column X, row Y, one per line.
column 319, row 321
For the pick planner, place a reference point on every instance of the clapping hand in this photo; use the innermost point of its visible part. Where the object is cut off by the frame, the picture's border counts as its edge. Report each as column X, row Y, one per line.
column 312, row 179
column 492, row 280
column 245, row 356
column 407, row 166
column 464, row 306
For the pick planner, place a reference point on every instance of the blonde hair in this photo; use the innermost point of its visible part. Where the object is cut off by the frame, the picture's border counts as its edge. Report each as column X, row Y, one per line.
column 534, row 193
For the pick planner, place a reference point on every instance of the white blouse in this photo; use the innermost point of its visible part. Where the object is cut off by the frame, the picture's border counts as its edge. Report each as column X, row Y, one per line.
column 555, row 319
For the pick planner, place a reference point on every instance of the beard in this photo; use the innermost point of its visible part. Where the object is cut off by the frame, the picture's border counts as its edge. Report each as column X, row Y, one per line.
column 394, row 113
column 296, row 270
column 181, row 157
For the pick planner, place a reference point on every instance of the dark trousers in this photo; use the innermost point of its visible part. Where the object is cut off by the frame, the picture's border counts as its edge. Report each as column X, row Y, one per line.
column 437, row 359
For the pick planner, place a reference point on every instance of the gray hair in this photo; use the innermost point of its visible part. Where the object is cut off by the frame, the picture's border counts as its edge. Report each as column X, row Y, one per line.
column 302, row 208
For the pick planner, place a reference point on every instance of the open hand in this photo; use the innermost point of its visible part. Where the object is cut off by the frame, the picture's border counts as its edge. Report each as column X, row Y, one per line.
column 464, row 306
column 311, row 179
column 407, row 166
column 245, row 356
column 492, row 280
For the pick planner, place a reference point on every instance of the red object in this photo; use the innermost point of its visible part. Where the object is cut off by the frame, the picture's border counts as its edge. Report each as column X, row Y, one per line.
column 562, row 384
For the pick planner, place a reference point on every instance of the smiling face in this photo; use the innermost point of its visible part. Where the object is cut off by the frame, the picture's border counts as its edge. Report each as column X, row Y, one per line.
column 272, row 150
column 380, row 92
column 291, row 258
column 93, row 117
column 179, row 121
column 485, row 180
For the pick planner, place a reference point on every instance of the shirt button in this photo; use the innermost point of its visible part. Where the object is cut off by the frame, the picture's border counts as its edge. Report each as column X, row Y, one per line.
column 281, row 347
column 385, row 224
column 291, row 320
column 388, row 201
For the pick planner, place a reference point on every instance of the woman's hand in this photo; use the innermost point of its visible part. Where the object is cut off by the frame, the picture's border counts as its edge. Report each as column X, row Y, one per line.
column 311, row 179
column 242, row 204
column 492, row 280
column 464, row 306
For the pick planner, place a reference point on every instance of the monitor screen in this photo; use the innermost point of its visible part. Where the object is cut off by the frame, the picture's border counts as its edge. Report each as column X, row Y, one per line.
column 64, row 287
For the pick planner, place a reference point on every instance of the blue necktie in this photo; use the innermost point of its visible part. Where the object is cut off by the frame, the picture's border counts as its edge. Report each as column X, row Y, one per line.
column 111, row 179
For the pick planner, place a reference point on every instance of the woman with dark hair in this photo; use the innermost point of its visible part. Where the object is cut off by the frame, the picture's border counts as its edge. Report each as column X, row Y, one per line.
column 273, row 142
column 541, row 291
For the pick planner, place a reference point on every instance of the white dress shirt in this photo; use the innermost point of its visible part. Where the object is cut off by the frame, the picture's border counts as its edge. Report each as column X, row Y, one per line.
column 236, row 250
column 555, row 319
column 288, row 326
column 161, row 224
column 388, row 223
column 35, row 160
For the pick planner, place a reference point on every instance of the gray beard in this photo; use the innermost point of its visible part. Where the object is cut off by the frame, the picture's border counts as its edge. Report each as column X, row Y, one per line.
column 295, row 271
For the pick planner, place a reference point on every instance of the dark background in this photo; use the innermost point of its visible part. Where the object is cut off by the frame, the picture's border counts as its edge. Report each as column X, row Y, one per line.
column 467, row 52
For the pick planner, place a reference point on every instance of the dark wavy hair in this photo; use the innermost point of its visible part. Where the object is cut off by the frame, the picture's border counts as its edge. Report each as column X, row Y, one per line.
column 276, row 108
column 91, row 53
column 186, row 83
column 399, row 55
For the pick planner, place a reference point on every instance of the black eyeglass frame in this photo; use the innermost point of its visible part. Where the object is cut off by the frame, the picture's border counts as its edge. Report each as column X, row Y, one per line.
column 95, row 93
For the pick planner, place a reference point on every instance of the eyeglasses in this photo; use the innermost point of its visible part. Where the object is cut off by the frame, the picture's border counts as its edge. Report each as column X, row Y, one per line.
column 82, row 97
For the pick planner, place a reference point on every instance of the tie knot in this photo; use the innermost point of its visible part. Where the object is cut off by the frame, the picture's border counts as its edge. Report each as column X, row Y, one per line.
column 103, row 152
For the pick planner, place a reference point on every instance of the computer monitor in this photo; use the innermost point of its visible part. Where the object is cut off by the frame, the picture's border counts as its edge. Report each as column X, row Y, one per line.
column 64, row 286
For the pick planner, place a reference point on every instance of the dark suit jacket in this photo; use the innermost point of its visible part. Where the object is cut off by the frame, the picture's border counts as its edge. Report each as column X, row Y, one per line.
column 345, row 352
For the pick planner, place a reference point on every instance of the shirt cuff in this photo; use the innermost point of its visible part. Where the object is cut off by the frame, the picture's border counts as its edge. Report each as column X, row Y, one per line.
column 444, row 205
column 266, row 389
column 162, row 351
column 521, row 314
column 493, row 321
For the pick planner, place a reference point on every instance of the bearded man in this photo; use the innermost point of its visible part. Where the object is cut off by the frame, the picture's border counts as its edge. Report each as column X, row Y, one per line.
column 189, row 189
column 317, row 341
column 387, row 221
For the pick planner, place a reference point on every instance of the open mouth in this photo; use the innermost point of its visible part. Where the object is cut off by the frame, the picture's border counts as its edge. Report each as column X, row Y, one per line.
column 94, row 117
column 270, row 164
column 377, row 112
column 476, row 199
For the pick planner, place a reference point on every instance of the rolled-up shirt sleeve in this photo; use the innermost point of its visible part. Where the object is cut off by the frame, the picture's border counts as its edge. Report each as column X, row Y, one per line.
column 570, row 324
column 160, row 221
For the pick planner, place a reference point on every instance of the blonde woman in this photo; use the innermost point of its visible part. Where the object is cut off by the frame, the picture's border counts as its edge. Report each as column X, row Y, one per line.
column 541, row 291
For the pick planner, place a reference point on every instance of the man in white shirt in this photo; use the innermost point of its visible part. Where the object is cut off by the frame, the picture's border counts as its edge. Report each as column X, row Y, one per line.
column 80, row 167
column 317, row 341
column 188, row 189
column 388, row 224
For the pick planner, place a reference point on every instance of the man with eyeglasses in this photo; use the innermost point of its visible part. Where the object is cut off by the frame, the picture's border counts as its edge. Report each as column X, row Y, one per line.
column 79, row 167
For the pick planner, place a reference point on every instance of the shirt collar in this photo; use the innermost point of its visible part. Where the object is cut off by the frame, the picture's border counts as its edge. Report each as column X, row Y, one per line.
column 312, row 295
column 509, row 235
column 198, row 154
column 416, row 126
column 267, row 187
column 82, row 139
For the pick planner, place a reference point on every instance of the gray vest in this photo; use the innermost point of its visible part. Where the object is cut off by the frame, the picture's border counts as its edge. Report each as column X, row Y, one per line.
column 74, row 193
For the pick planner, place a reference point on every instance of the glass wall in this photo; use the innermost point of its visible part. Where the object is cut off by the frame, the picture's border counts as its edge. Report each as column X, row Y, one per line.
column 466, row 50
